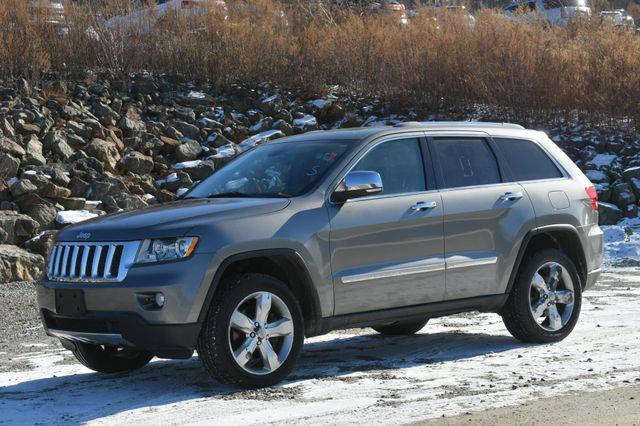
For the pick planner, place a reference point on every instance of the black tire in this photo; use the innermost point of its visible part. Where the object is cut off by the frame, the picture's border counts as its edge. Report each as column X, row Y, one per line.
column 517, row 315
column 109, row 359
column 213, row 342
column 401, row 328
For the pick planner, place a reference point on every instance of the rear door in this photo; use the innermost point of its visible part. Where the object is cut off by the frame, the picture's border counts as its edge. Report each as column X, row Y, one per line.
column 385, row 251
column 486, row 215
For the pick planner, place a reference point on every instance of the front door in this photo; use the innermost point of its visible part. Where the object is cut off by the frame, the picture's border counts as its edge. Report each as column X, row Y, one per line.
column 387, row 249
column 485, row 216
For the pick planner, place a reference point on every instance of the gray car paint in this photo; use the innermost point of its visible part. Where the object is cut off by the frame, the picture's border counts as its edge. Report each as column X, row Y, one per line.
column 337, row 240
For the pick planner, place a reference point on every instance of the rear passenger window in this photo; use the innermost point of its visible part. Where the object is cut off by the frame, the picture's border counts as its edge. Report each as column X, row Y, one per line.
column 465, row 162
column 527, row 160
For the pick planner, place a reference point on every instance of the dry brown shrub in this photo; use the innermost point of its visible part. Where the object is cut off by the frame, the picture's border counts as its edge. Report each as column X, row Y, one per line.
column 522, row 67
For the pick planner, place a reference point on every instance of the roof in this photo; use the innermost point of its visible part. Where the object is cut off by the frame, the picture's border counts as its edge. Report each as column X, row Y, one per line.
column 360, row 133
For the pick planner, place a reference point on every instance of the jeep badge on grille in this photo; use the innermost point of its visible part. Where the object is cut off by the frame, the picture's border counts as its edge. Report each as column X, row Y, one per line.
column 83, row 235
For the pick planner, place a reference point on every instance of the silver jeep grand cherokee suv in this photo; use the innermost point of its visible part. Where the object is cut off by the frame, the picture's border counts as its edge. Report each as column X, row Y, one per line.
column 383, row 227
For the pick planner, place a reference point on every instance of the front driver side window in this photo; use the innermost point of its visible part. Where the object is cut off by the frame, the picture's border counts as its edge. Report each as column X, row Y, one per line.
column 399, row 163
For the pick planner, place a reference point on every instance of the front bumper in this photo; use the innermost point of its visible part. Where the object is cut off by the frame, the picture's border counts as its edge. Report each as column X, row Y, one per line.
column 122, row 329
column 114, row 312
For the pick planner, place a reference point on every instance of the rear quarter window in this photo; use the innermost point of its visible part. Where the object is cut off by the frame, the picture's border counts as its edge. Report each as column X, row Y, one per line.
column 527, row 160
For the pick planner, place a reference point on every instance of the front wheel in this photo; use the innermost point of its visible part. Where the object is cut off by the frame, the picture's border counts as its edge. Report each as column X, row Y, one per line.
column 253, row 333
column 110, row 359
column 545, row 302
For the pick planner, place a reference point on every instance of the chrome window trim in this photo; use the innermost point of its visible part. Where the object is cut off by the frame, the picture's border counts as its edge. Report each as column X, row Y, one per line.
column 489, row 185
column 383, row 196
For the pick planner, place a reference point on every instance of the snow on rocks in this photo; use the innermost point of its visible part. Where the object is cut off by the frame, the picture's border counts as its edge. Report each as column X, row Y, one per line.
column 68, row 217
column 597, row 176
column 259, row 138
column 604, row 160
column 186, row 164
column 225, row 151
column 305, row 122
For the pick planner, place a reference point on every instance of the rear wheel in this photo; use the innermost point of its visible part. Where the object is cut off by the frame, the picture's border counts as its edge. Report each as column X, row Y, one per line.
column 544, row 305
column 110, row 359
column 399, row 328
column 253, row 333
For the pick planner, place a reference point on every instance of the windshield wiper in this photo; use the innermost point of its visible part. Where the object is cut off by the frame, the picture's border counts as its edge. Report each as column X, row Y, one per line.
column 230, row 195
column 244, row 195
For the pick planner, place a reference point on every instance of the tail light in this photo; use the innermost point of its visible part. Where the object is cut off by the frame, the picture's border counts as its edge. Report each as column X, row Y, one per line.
column 593, row 196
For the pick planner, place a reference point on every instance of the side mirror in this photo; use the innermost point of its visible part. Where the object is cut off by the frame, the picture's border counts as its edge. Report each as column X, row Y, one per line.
column 358, row 184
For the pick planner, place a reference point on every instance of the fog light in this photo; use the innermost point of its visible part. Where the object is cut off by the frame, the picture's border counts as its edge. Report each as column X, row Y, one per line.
column 159, row 299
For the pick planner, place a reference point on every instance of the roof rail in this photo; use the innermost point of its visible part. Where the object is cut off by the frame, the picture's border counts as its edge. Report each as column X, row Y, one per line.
column 458, row 124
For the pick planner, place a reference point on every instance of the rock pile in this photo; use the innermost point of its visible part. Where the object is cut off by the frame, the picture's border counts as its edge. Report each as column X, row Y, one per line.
column 70, row 151
column 611, row 160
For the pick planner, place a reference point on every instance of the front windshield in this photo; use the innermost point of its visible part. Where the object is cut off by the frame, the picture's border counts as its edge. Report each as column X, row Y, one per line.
column 273, row 170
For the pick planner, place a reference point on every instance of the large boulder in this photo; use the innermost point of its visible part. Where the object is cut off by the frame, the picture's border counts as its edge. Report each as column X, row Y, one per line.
column 632, row 175
column 17, row 264
column 609, row 214
column 22, row 187
column 36, row 207
column 123, row 201
column 105, row 151
column 188, row 151
column 197, row 169
column 622, row 194
column 136, row 162
column 9, row 166
column 188, row 130
column 10, row 147
column 58, row 145
column 41, row 243
column 17, row 227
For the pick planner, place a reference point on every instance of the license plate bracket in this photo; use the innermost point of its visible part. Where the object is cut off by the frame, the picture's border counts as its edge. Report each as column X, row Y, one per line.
column 70, row 302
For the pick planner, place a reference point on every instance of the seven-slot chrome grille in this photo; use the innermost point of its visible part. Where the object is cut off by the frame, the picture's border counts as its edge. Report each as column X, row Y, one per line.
column 91, row 262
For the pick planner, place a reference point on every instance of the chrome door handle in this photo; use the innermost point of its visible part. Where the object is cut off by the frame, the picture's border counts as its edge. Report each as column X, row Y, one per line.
column 421, row 205
column 511, row 196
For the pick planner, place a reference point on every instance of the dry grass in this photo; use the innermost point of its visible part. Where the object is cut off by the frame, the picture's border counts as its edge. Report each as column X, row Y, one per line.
column 521, row 67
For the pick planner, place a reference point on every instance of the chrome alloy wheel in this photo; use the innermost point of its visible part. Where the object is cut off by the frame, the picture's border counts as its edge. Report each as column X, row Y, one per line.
column 261, row 333
column 551, row 296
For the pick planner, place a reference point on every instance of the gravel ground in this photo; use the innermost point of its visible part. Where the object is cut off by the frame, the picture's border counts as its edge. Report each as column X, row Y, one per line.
column 20, row 329
column 611, row 407
column 456, row 365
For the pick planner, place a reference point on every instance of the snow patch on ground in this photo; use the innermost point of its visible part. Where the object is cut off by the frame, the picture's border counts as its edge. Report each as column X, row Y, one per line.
column 622, row 241
column 455, row 364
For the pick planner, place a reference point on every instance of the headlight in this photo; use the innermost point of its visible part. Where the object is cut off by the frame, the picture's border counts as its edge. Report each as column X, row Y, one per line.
column 164, row 249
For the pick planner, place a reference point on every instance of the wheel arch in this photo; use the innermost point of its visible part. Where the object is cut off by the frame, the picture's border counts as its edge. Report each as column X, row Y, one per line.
column 284, row 264
column 562, row 237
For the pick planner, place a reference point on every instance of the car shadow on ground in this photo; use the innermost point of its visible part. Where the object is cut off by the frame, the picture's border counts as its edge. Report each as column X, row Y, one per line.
column 86, row 396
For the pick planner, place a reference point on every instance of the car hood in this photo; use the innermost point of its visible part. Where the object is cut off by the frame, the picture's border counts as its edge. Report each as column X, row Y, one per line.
column 168, row 220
